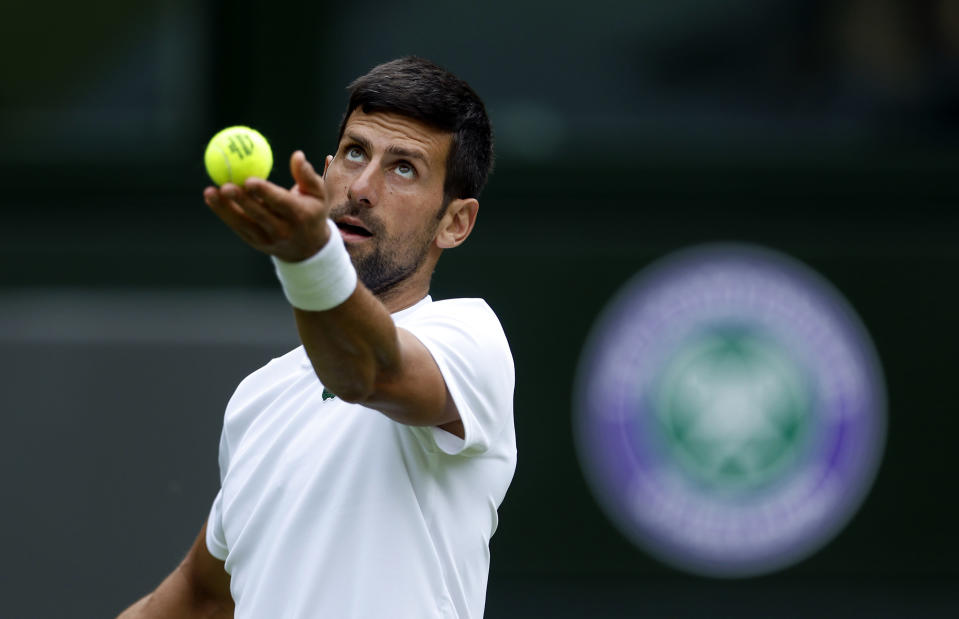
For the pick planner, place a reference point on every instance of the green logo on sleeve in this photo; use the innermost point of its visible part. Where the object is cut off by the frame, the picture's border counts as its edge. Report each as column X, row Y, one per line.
column 327, row 394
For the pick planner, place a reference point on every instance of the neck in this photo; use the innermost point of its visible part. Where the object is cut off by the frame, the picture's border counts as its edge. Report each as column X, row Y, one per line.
column 410, row 291
column 407, row 292
column 395, row 299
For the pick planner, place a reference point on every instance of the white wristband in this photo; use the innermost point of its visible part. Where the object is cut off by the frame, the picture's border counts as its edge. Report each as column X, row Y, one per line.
column 322, row 281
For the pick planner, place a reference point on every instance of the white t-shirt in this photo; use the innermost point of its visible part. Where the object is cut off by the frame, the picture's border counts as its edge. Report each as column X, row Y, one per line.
column 331, row 509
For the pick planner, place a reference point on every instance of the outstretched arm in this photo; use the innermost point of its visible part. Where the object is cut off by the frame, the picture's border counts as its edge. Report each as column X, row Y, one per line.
column 198, row 588
column 390, row 370
column 355, row 348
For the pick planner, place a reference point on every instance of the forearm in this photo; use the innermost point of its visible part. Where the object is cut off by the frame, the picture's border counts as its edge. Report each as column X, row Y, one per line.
column 176, row 598
column 353, row 347
column 360, row 355
column 198, row 587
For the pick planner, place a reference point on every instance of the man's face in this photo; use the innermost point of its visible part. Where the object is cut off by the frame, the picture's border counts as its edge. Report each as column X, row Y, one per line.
column 386, row 187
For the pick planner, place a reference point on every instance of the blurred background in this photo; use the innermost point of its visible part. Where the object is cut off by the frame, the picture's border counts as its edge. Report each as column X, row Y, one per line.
column 825, row 130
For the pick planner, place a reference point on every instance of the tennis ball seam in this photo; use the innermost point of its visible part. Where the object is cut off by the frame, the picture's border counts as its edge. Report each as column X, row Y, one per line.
column 250, row 149
column 226, row 161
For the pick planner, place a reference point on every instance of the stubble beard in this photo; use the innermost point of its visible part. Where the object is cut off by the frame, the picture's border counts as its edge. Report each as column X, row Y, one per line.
column 391, row 261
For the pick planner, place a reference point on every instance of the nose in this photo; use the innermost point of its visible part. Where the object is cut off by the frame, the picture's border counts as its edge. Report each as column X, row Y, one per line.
column 364, row 186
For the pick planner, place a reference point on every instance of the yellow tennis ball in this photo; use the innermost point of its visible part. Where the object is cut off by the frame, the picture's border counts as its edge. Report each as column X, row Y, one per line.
column 237, row 153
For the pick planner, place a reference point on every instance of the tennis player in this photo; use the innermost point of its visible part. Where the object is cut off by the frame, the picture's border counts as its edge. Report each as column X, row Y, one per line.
column 361, row 472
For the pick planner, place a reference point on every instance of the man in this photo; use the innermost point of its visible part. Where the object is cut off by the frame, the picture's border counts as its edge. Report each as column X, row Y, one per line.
column 361, row 472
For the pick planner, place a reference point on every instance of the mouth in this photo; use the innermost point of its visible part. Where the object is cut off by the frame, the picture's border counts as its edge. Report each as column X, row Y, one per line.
column 352, row 230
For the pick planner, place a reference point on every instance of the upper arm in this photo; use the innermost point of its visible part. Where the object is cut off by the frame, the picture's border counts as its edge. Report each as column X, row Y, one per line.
column 198, row 587
column 415, row 392
column 359, row 354
column 206, row 575
column 448, row 365
column 462, row 361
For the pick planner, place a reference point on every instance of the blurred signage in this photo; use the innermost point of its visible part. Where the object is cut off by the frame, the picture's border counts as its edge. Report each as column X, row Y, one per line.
column 730, row 411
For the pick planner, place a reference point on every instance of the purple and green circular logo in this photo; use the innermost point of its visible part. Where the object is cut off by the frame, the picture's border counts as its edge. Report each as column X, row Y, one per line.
column 730, row 411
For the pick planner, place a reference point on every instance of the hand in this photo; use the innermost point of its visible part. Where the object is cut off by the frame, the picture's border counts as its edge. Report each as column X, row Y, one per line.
column 289, row 224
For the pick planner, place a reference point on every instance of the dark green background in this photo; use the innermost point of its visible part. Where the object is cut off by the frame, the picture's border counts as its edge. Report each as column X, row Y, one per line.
column 825, row 130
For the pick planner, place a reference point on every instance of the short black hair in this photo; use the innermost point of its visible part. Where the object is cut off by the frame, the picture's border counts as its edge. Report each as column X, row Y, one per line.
column 417, row 88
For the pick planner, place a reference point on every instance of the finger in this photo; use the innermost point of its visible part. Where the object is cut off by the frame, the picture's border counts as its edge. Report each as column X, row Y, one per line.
column 282, row 204
column 254, row 209
column 305, row 176
column 234, row 217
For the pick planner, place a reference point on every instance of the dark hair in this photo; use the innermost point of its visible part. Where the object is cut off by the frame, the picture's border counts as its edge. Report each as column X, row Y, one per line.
column 419, row 89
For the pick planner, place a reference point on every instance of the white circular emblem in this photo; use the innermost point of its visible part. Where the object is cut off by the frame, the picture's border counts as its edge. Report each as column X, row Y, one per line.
column 730, row 410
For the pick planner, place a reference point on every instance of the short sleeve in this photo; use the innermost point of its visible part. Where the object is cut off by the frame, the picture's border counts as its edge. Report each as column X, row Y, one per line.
column 467, row 342
column 215, row 540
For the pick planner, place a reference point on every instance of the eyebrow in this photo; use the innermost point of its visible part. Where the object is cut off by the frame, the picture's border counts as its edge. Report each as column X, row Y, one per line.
column 393, row 149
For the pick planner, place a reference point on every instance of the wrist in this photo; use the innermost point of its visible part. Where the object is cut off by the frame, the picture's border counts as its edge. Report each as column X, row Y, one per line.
column 322, row 281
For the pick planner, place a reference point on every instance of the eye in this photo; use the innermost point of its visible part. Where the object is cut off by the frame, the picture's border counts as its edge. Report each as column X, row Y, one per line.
column 405, row 170
column 354, row 153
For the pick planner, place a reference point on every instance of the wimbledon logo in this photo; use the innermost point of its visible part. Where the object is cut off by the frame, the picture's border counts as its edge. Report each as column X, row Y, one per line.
column 730, row 411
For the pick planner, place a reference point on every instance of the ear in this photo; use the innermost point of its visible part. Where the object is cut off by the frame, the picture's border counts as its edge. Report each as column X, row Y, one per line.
column 326, row 165
column 457, row 222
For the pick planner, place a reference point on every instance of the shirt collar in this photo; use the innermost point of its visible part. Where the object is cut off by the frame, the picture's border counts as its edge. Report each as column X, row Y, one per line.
column 403, row 313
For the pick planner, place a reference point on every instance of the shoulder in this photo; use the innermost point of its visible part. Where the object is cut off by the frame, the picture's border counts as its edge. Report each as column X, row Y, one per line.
column 456, row 306
column 271, row 376
column 468, row 343
column 462, row 332
column 467, row 314
column 289, row 362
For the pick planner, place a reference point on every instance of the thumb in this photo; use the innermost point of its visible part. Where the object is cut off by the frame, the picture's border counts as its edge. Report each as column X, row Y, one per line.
column 306, row 178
